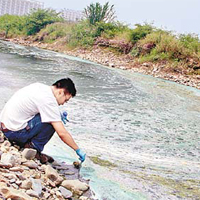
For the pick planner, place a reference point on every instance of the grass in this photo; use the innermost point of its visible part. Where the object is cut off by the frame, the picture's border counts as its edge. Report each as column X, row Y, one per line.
column 148, row 44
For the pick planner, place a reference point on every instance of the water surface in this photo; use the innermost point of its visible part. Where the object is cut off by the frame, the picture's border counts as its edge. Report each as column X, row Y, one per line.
column 141, row 134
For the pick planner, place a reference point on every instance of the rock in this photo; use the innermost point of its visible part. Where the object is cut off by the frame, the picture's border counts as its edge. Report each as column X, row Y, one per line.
column 37, row 186
column 65, row 192
column 58, row 194
column 31, row 164
column 16, row 169
column 29, row 154
column 1, row 153
column 32, row 193
column 51, row 183
column 21, row 177
column 47, row 195
column 10, row 176
column 59, row 180
column 27, row 184
column 15, row 186
column 14, row 194
column 12, row 181
column 83, row 198
column 75, row 185
column 5, row 146
column 111, row 65
column 3, row 165
column 1, row 139
column 7, row 158
column 69, row 173
column 18, row 182
column 51, row 173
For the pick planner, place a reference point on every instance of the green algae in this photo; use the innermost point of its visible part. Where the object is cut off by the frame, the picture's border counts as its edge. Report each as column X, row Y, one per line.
column 101, row 162
column 188, row 188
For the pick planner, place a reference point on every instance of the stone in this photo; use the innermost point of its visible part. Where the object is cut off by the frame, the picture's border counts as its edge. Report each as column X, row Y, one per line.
column 47, row 195
column 51, row 183
column 75, row 185
column 8, row 158
column 65, row 192
column 58, row 194
column 12, row 180
column 11, row 193
column 69, row 173
column 37, row 186
column 10, row 176
column 5, row 165
column 27, row 184
column 15, row 186
column 21, row 177
column 32, row 193
column 1, row 153
column 1, row 139
column 16, row 169
column 29, row 154
column 51, row 173
column 6, row 143
column 30, row 164
column 83, row 198
column 59, row 180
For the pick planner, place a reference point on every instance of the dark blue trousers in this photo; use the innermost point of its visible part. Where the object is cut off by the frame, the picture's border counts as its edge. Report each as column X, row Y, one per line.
column 37, row 133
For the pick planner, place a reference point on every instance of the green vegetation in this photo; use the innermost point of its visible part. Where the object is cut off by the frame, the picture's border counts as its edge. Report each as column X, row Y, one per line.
column 99, row 161
column 98, row 13
column 144, row 43
column 37, row 20
column 185, row 189
column 12, row 25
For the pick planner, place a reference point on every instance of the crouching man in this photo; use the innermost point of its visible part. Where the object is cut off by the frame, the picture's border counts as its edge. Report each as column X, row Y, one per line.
column 32, row 115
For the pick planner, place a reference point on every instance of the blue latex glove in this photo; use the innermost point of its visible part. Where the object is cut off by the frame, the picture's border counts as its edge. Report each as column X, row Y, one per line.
column 81, row 154
column 64, row 117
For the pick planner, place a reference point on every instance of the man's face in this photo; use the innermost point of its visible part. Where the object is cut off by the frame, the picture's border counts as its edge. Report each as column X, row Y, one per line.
column 63, row 96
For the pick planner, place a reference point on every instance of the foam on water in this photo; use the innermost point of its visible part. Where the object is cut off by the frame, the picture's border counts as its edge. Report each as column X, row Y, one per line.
column 146, row 128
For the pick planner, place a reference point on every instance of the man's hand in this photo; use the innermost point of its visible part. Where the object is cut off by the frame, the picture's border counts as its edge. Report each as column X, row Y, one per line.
column 81, row 154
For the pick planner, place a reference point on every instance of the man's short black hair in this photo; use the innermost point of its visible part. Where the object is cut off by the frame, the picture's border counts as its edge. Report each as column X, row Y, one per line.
column 67, row 84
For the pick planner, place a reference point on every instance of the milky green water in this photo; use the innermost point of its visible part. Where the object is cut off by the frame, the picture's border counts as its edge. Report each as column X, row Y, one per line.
column 141, row 134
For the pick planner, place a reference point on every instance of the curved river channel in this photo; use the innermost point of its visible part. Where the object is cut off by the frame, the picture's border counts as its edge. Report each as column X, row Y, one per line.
column 141, row 134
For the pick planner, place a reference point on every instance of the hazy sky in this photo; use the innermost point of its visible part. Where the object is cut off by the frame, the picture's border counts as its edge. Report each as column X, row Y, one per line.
column 181, row 16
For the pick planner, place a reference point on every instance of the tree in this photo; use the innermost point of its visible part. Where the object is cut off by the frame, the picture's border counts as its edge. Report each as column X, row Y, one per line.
column 97, row 13
column 38, row 19
column 11, row 25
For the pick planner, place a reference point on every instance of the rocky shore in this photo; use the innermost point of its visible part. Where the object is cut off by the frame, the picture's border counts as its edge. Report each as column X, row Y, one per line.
column 25, row 178
column 106, row 57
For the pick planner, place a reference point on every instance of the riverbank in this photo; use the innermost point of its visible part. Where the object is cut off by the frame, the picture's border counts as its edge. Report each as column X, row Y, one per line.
column 23, row 177
column 106, row 57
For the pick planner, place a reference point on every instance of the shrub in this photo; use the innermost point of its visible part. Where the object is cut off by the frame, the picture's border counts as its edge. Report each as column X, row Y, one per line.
column 54, row 31
column 82, row 34
column 140, row 32
column 190, row 41
column 12, row 25
column 97, row 13
column 109, row 30
column 38, row 19
column 164, row 46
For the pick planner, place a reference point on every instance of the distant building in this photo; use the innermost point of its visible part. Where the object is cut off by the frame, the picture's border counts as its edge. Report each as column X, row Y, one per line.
column 71, row 15
column 18, row 7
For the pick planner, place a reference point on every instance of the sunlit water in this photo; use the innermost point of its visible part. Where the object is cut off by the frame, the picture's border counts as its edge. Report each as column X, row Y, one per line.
column 142, row 131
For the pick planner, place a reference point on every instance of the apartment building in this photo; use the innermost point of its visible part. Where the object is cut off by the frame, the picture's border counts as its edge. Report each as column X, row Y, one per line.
column 18, row 7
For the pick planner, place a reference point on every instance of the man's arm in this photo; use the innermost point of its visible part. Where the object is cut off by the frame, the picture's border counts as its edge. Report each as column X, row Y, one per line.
column 64, row 135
